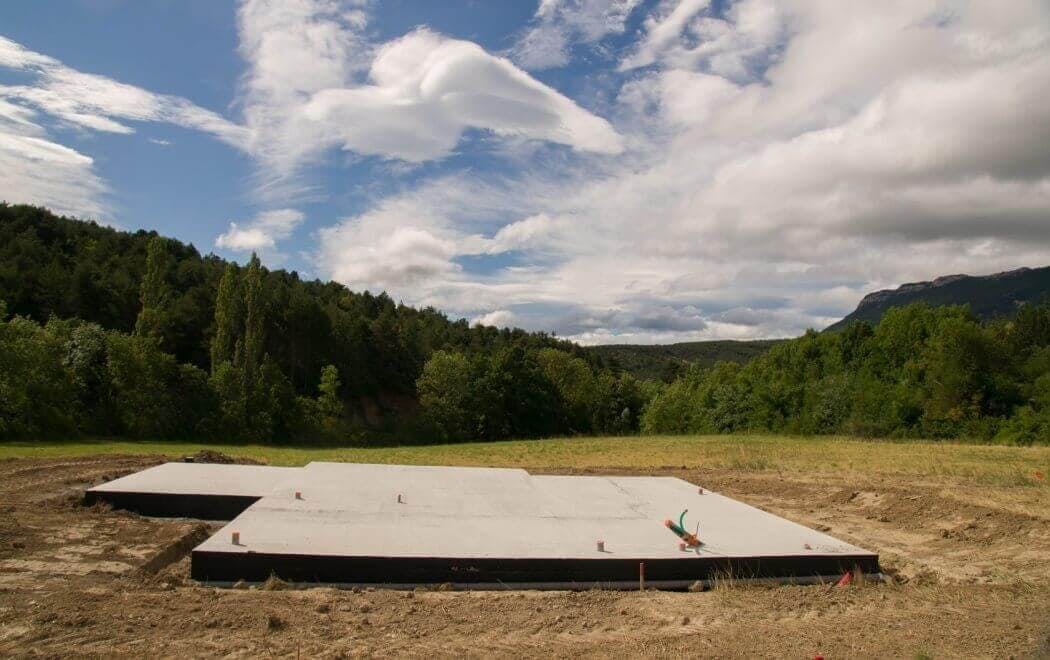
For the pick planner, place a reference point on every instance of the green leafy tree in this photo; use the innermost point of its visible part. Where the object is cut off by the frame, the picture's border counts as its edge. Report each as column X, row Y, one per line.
column 573, row 379
column 87, row 360
column 37, row 394
column 445, row 394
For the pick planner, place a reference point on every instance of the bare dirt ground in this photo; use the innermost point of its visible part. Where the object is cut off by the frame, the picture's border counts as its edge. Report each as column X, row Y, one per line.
column 970, row 577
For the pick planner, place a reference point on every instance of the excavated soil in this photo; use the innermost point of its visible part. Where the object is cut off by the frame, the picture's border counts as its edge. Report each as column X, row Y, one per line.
column 969, row 577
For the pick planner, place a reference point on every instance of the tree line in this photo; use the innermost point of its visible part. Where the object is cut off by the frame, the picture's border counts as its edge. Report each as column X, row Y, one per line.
column 922, row 371
column 131, row 334
column 119, row 334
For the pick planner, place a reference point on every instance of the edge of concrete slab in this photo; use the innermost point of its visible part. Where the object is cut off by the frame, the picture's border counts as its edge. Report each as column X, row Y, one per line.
column 210, row 566
column 668, row 585
column 168, row 505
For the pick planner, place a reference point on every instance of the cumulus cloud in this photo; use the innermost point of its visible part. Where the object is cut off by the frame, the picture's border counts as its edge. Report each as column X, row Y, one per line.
column 427, row 89
column 499, row 318
column 532, row 233
column 316, row 82
column 261, row 233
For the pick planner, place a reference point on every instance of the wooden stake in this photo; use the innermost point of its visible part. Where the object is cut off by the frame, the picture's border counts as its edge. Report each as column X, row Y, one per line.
column 641, row 576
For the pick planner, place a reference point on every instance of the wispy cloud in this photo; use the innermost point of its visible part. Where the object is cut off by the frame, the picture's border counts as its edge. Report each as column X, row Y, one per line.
column 100, row 103
column 35, row 169
column 561, row 24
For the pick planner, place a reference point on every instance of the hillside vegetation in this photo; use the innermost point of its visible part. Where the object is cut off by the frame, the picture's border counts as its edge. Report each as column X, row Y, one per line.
column 935, row 372
column 668, row 361
column 105, row 332
column 108, row 333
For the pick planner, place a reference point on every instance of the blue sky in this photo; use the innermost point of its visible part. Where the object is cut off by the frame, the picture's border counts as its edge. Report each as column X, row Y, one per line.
column 610, row 170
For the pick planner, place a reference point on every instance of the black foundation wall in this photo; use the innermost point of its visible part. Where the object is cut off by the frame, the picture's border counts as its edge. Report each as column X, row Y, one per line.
column 256, row 567
column 204, row 507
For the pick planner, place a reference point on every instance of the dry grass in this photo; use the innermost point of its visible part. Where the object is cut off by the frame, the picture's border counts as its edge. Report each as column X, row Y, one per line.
column 1012, row 478
column 974, row 465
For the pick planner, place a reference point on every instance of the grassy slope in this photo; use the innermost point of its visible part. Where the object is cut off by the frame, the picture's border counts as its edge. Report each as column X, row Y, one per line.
column 973, row 464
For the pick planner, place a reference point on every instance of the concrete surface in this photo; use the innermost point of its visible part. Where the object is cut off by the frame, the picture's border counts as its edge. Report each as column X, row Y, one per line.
column 200, row 479
column 479, row 514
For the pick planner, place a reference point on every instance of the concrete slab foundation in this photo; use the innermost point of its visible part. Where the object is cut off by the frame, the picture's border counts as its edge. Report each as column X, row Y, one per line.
column 404, row 525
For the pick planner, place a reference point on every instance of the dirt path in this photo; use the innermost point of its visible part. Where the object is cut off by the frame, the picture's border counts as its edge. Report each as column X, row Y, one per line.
column 971, row 579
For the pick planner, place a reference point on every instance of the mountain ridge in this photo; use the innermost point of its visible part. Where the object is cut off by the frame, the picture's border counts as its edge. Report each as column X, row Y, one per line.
column 988, row 296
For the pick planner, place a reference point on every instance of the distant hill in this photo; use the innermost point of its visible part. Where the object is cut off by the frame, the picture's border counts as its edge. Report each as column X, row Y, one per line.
column 988, row 296
column 664, row 362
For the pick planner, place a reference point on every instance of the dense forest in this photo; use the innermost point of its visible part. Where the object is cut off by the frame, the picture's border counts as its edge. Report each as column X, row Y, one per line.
column 131, row 334
column 111, row 333
column 935, row 372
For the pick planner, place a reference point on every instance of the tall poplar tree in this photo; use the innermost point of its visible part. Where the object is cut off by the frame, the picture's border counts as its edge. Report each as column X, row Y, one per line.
column 228, row 319
column 155, row 293
column 254, row 317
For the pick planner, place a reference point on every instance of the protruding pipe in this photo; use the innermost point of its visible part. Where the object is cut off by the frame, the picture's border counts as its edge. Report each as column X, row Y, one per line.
column 691, row 540
column 236, row 538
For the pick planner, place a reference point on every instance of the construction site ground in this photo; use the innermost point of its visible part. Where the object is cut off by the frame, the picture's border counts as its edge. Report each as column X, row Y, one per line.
column 967, row 565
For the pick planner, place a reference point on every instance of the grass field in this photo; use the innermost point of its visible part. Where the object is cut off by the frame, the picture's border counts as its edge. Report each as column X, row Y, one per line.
column 979, row 464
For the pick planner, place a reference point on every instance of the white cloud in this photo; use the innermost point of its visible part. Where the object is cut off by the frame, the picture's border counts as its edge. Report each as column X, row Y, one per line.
column 427, row 89
column 261, row 233
column 533, row 233
column 685, row 35
column 34, row 170
column 559, row 24
column 499, row 318
column 662, row 30
column 316, row 82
